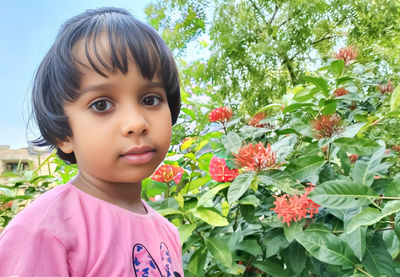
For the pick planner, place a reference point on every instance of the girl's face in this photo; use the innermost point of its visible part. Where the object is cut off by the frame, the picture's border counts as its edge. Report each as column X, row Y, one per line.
column 121, row 125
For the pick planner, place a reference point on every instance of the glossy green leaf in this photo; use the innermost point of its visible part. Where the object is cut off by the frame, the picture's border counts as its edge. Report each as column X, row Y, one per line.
column 320, row 83
column 342, row 194
column 337, row 67
column 169, row 211
column 344, row 162
column 220, row 250
column 359, row 146
column 196, row 183
column 327, row 248
column 250, row 246
column 249, row 200
column 397, row 225
column 296, row 106
column 330, row 107
column 367, row 217
column 395, row 99
column 366, row 167
column 351, row 130
column 239, row 186
column 185, row 231
column 280, row 180
column 271, row 268
column 293, row 230
column 232, row 142
column 198, row 261
column 211, row 193
column 304, row 94
column 377, row 259
column 305, row 167
column 357, row 241
column 275, row 242
column 210, row 216
column 295, row 257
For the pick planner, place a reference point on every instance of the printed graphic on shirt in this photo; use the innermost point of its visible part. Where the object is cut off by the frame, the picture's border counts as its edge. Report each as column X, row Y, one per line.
column 145, row 266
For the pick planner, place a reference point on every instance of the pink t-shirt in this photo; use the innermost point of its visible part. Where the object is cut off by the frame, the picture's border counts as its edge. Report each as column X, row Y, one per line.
column 67, row 232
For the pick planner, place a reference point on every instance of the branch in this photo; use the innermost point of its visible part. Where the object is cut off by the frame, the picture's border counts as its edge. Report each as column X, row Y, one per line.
column 322, row 39
column 273, row 15
column 259, row 12
column 326, row 36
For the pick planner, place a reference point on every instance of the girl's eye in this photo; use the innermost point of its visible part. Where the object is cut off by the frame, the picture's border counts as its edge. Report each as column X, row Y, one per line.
column 152, row 100
column 101, row 105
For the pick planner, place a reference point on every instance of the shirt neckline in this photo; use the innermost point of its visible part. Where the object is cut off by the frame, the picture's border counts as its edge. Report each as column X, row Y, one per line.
column 113, row 206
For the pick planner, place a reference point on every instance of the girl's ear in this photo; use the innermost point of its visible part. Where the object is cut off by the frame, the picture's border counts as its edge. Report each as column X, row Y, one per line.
column 66, row 146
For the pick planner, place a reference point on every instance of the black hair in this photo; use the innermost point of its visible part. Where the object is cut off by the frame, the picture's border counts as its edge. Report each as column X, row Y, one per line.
column 58, row 77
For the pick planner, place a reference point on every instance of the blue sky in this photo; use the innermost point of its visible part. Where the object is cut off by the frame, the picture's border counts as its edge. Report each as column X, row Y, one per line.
column 27, row 30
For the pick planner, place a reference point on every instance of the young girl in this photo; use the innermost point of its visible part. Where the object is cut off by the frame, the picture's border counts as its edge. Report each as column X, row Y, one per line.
column 106, row 96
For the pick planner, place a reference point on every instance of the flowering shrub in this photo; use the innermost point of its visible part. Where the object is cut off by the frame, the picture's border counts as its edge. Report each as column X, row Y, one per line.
column 243, row 196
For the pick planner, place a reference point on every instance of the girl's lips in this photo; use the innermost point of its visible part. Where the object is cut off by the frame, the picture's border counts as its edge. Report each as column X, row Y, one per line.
column 139, row 158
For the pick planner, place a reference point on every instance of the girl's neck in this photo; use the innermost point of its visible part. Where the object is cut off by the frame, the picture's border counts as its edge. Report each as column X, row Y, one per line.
column 124, row 195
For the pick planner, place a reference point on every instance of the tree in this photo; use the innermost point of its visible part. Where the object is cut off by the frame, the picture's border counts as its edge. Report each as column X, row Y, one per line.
column 259, row 49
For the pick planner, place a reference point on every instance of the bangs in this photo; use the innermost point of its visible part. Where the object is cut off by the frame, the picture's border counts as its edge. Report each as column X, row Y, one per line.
column 109, row 42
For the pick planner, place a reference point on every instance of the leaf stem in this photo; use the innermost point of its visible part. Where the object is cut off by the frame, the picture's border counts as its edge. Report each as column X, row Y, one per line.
column 363, row 271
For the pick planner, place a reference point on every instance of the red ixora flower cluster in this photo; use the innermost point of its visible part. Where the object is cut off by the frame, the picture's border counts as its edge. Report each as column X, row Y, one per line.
column 256, row 157
column 255, row 120
column 220, row 172
column 347, row 54
column 325, row 126
column 386, row 88
column 340, row 92
column 295, row 207
column 222, row 114
column 167, row 173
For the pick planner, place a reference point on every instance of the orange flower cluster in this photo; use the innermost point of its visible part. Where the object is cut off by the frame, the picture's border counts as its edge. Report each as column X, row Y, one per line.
column 222, row 114
column 386, row 88
column 256, row 157
column 255, row 120
column 340, row 92
column 348, row 55
column 295, row 207
column 325, row 126
column 220, row 172
column 353, row 158
column 167, row 173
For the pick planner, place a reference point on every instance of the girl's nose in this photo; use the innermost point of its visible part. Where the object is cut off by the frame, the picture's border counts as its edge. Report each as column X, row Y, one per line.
column 133, row 122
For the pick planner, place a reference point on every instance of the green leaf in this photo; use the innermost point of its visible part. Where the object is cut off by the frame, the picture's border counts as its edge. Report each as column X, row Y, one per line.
column 196, row 183
column 185, row 231
column 366, row 167
column 397, row 225
column 342, row 194
column 211, row 193
column 327, row 248
column 302, row 128
column 220, row 250
column 337, row 67
column 329, row 107
column 271, row 268
column 268, row 107
column 280, row 180
column 359, row 146
column 297, row 106
column 198, row 261
column 293, row 230
column 250, row 246
column 249, row 200
column 169, row 211
column 351, row 130
column 367, row 217
column 232, row 142
column 295, row 257
column 320, row 83
column 305, row 94
column 395, row 99
column 239, row 186
column 274, row 241
column 303, row 168
column 357, row 241
column 377, row 259
column 344, row 162
column 210, row 216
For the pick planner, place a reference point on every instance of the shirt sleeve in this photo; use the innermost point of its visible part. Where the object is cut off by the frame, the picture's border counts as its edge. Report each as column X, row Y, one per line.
column 31, row 252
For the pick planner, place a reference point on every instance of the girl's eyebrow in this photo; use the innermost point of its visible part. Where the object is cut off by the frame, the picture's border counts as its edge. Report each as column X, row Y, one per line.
column 108, row 86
